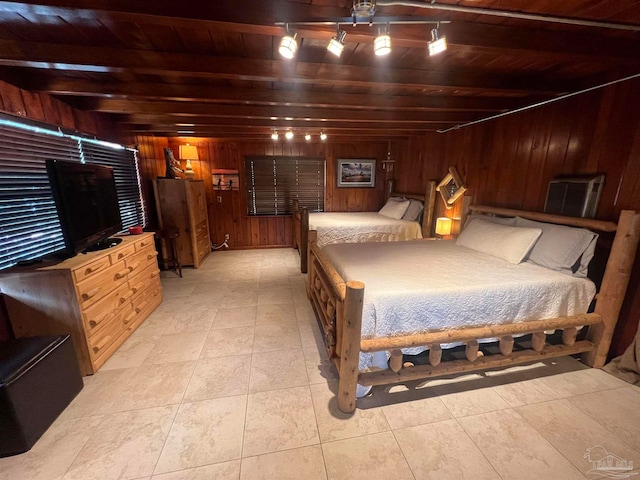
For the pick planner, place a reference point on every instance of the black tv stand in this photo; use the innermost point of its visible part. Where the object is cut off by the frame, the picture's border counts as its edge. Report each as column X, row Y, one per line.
column 104, row 244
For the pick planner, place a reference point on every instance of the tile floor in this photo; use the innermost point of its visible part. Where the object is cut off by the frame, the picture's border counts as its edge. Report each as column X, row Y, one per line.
column 226, row 380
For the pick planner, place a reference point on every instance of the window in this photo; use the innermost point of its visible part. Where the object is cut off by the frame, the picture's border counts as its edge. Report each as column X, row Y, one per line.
column 274, row 182
column 29, row 225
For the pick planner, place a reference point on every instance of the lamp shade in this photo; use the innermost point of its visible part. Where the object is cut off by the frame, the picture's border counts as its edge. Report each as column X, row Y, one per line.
column 189, row 152
column 443, row 226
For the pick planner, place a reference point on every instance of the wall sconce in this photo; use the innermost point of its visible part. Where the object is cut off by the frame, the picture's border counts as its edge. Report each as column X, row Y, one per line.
column 188, row 153
column 443, row 226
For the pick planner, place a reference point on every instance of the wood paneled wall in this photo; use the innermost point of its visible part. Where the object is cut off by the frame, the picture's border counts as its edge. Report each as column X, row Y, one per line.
column 228, row 209
column 509, row 161
column 45, row 108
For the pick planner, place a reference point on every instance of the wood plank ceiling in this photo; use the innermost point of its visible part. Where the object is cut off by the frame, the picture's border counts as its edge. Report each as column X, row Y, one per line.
column 212, row 69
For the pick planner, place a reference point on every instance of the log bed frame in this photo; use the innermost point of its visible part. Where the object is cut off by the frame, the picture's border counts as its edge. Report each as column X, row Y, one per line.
column 300, row 223
column 338, row 306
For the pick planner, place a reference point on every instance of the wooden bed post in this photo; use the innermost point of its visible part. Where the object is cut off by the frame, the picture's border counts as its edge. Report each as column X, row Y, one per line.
column 429, row 209
column 296, row 206
column 304, row 237
column 312, row 238
column 350, row 348
column 614, row 286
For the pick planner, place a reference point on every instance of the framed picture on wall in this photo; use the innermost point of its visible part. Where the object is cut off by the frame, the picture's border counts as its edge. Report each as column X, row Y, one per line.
column 224, row 179
column 356, row 173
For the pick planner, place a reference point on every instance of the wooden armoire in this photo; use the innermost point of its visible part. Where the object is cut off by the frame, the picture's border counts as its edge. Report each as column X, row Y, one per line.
column 183, row 204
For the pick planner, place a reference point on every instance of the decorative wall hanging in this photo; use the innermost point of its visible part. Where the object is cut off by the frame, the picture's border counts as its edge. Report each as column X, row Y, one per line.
column 224, row 179
column 451, row 188
column 356, row 173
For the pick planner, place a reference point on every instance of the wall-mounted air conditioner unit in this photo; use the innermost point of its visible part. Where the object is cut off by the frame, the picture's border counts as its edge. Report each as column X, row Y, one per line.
column 575, row 195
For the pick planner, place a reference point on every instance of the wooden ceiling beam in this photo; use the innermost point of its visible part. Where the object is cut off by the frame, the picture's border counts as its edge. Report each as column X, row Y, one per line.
column 259, row 18
column 108, row 59
column 267, row 112
column 153, row 124
column 295, row 98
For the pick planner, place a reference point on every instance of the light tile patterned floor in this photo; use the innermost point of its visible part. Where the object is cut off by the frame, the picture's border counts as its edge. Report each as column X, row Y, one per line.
column 227, row 380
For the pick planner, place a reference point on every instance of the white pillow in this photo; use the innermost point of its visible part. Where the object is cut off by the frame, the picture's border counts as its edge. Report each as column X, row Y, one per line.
column 567, row 249
column 414, row 211
column 508, row 243
column 394, row 209
column 510, row 221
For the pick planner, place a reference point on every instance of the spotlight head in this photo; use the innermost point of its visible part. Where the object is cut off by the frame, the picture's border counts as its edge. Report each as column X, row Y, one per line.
column 274, row 135
column 307, row 137
column 288, row 135
column 436, row 44
column 288, row 46
column 323, row 136
column 382, row 43
column 336, row 44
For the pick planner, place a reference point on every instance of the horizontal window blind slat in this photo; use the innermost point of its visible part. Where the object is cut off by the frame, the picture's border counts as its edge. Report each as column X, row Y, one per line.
column 29, row 225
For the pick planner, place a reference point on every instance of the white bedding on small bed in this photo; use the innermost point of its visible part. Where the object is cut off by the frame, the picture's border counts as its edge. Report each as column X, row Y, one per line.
column 424, row 285
column 357, row 227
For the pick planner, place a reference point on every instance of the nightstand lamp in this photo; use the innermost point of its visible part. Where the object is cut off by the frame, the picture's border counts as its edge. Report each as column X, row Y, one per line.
column 443, row 226
column 188, row 153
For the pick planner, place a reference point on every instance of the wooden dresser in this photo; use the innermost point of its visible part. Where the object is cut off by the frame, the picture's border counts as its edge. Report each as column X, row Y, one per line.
column 183, row 204
column 100, row 297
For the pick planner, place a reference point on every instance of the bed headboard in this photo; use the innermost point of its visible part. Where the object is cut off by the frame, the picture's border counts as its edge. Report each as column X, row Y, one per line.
column 428, row 199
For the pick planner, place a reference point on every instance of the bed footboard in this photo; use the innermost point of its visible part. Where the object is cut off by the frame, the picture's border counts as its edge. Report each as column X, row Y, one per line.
column 339, row 304
column 300, row 226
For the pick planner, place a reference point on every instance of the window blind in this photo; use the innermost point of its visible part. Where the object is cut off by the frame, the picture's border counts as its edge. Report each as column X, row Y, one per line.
column 125, row 171
column 29, row 225
column 274, row 182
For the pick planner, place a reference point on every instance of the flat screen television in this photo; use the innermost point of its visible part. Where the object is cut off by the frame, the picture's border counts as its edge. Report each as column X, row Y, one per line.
column 87, row 204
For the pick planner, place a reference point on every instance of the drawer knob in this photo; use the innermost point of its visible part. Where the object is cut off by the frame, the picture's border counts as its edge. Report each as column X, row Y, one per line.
column 97, row 321
column 122, row 273
column 129, row 317
column 101, row 345
column 126, row 296
column 154, row 274
column 134, row 266
column 91, row 293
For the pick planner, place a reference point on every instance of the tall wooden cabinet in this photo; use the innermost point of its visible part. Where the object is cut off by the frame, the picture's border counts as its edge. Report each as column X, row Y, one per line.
column 99, row 298
column 183, row 204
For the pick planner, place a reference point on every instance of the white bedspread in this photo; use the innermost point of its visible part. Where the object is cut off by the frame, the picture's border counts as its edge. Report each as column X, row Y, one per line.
column 425, row 285
column 357, row 227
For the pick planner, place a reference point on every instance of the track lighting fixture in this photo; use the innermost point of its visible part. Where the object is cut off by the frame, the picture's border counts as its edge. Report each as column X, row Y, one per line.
column 288, row 45
column 437, row 44
column 382, row 43
column 289, row 135
column 274, row 135
column 336, row 45
column 307, row 137
column 323, row 136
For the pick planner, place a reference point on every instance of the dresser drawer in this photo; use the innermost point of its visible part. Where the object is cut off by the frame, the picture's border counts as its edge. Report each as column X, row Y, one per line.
column 202, row 229
column 148, row 296
column 122, row 253
column 145, row 243
column 110, row 332
column 98, row 286
column 91, row 269
column 143, row 279
column 98, row 314
column 141, row 260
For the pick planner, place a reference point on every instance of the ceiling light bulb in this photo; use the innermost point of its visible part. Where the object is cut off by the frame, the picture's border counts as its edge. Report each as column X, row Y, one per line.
column 289, row 135
column 382, row 43
column 288, row 46
column 437, row 44
column 307, row 137
column 274, row 136
column 323, row 136
column 336, row 45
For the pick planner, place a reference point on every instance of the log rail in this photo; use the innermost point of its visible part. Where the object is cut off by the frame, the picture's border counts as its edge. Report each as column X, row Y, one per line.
column 338, row 305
